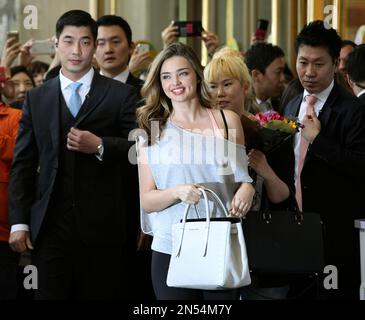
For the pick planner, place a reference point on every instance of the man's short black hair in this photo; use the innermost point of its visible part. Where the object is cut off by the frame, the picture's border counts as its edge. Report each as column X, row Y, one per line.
column 38, row 67
column 320, row 34
column 346, row 43
column 112, row 20
column 355, row 64
column 261, row 55
column 21, row 69
column 76, row 18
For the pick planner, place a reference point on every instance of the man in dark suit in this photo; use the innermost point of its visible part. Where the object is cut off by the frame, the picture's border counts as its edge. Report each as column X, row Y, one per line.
column 356, row 71
column 332, row 145
column 114, row 49
column 67, row 199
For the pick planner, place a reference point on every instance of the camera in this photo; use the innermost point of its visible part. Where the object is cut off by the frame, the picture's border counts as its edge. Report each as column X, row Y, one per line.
column 42, row 47
column 189, row 28
column 261, row 29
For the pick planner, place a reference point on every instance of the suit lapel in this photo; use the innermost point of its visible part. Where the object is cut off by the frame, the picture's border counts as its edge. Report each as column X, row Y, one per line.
column 326, row 111
column 98, row 90
column 293, row 108
column 51, row 97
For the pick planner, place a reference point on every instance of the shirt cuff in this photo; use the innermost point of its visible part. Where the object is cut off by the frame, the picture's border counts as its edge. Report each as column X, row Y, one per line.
column 19, row 227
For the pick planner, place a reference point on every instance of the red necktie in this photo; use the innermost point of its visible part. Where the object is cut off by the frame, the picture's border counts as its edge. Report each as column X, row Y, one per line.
column 311, row 101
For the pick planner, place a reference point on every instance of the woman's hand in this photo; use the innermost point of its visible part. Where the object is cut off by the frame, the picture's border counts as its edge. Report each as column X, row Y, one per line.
column 25, row 57
column 169, row 34
column 139, row 61
column 211, row 41
column 242, row 200
column 10, row 52
column 257, row 161
column 187, row 193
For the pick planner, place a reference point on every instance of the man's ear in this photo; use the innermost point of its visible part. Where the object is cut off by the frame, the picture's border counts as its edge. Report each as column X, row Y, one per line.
column 255, row 74
column 337, row 64
column 349, row 81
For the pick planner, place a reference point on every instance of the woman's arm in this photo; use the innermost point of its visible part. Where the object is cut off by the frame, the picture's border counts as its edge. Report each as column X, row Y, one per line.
column 277, row 190
column 154, row 200
column 242, row 200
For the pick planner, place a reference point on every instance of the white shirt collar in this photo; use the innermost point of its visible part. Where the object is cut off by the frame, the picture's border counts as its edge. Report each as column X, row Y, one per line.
column 322, row 96
column 85, row 80
column 361, row 93
column 122, row 77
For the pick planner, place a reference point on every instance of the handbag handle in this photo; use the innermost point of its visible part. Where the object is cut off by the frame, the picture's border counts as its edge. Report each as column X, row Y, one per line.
column 215, row 197
column 204, row 192
column 298, row 215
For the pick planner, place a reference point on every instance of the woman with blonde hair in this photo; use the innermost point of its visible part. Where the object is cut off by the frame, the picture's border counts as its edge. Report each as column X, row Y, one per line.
column 230, row 84
column 175, row 120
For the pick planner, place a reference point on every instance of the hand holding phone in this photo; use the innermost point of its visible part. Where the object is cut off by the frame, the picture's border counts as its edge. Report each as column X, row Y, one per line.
column 189, row 28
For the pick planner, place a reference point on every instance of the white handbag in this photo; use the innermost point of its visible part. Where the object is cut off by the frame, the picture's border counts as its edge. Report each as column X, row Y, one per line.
column 208, row 253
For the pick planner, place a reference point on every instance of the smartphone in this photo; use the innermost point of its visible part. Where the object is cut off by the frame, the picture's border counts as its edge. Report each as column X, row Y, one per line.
column 13, row 34
column 262, row 26
column 189, row 28
column 2, row 74
column 42, row 47
column 143, row 47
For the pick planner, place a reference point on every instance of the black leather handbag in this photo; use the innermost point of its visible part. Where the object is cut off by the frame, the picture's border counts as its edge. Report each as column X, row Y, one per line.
column 284, row 242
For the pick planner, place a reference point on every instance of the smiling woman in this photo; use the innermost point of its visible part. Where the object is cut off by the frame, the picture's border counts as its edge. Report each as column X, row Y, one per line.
column 177, row 97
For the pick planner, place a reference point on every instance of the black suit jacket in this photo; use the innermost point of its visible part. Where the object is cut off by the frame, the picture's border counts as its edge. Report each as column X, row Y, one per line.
column 110, row 114
column 135, row 82
column 332, row 182
column 333, row 173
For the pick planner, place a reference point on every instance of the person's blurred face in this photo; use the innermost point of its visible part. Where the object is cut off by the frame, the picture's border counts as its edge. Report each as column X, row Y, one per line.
column 315, row 68
column 22, row 83
column 271, row 83
column 342, row 61
column 229, row 94
column 38, row 78
column 178, row 80
column 7, row 89
column 113, row 50
column 75, row 48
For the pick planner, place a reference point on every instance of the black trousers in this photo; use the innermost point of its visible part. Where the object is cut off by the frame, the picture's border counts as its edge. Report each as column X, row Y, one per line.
column 8, row 272
column 159, row 269
column 70, row 269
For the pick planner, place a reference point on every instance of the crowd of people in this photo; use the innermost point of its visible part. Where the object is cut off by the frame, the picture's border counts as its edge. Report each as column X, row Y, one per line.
column 98, row 226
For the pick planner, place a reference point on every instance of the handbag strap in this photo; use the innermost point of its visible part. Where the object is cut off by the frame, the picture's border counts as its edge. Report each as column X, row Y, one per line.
column 225, row 124
column 207, row 224
column 216, row 198
column 298, row 215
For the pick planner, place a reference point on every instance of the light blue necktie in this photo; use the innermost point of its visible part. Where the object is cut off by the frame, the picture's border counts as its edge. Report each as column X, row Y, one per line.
column 75, row 100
